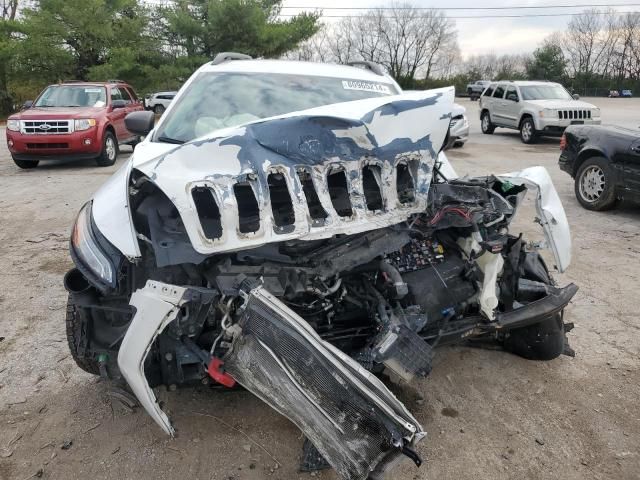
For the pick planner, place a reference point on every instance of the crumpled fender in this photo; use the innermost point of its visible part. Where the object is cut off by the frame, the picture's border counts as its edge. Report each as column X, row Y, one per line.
column 550, row 211
column 112, row 215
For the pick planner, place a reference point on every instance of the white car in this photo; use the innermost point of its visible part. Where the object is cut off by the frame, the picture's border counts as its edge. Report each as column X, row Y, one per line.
column 458, row 126
column 159, row 102
column 534, row 108
column 295, row 228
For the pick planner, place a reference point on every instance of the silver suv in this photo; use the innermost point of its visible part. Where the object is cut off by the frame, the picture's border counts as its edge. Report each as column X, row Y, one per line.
column 534, row 108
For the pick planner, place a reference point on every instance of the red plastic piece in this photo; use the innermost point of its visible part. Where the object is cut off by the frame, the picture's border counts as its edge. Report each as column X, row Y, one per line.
column 216, row 372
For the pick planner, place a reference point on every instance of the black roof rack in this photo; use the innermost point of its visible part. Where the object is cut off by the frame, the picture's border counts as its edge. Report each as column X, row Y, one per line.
column 228, row 56
column 114, row 80
column 373, row 66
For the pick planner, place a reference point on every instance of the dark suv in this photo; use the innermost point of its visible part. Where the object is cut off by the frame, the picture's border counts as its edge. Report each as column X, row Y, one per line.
column 73, row 120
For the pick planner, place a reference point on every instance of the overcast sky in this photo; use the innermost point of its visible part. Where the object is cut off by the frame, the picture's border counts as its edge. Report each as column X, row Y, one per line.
column 486, row 35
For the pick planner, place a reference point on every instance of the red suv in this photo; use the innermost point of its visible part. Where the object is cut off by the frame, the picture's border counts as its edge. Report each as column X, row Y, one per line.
column 73, row 120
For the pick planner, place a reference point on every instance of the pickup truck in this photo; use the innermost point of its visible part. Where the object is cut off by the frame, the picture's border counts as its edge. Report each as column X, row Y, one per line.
column 476, row 88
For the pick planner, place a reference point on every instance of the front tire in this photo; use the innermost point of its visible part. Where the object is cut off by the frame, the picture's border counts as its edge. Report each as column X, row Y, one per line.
column 528, row 132
column 25, row 164
column 542, row 341
column 158, row 109
column 594, row 186
column 109, row 152
column 485, row 123
column 74, row 325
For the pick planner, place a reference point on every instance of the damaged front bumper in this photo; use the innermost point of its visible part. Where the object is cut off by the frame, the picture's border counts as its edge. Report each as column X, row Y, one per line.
column 349, row 415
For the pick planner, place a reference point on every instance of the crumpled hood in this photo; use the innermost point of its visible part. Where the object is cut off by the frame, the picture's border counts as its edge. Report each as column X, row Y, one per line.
column 398, row 135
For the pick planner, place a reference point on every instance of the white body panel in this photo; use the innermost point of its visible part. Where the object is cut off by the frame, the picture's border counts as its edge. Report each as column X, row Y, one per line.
column 550, row 210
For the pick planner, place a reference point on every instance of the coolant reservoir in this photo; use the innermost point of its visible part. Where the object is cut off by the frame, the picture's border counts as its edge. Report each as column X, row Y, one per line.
column 491, row 265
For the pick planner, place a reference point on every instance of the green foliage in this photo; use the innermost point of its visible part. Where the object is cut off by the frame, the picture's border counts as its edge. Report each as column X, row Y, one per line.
column 207, row 27
column 152, row 47
column 547, row 63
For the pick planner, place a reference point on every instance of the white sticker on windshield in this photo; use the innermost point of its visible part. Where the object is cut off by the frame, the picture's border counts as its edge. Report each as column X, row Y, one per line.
column 92, row 90
column 366, row 86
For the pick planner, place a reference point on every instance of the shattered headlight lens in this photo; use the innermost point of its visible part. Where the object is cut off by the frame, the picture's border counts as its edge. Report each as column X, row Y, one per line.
column 84, row 124
column 13, row 125
column 86, row 247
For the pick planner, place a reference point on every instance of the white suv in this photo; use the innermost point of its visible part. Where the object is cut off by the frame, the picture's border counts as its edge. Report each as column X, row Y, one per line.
column 160, row 101
column 534, row 108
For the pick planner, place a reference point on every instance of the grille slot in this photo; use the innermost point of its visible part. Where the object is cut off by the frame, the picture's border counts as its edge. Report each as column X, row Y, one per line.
column 371, row 181
column 404, row 184
column 208, row 212
column 339, row 193
column 281, row 205
column 316, row 210
column 248, row 211
column 46, row 127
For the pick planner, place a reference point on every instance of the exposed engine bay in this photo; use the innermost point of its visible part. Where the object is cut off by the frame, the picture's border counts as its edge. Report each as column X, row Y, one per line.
column 309, row 322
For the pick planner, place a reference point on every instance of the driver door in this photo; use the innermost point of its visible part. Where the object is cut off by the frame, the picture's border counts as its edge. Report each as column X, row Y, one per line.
column 116, row 115
column 511, row 107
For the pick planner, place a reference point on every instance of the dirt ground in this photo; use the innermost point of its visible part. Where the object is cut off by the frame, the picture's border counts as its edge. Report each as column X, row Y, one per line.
column 489, row 415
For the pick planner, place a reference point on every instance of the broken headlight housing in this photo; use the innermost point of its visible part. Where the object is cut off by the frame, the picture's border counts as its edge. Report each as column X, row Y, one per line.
column 86, row 251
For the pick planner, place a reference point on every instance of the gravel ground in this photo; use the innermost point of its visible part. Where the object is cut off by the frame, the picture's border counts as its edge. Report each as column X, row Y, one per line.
column 489, row 415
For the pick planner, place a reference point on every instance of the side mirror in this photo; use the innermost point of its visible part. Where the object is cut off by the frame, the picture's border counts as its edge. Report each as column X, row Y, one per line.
column 27, row 104
column 576, row 96
column 118, row 104
column 140, row 123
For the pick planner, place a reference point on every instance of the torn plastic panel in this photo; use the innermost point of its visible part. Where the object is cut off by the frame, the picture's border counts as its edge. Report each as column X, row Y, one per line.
column 157, row 305
column 354, row 421
column 550, row 210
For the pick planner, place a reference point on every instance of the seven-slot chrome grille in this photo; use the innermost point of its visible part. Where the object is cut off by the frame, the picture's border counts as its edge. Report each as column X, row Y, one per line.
column 574, row 114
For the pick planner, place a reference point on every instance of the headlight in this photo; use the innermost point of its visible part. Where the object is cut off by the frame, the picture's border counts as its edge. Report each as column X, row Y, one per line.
column 84, row 124
column 13, row 125
column 595, row 112
column 85, row 246
column 547, row 113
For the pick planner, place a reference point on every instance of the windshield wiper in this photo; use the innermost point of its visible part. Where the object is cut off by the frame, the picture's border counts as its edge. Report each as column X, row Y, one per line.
column 170, row 140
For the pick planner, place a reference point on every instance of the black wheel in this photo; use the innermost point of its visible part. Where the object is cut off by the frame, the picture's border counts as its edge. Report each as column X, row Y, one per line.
column 594, row 184
column 109, row 152
column 528, row 132
column 543, row 341
column 158, row 109
column 485, row 123
column 26, row 164
column 74, row 326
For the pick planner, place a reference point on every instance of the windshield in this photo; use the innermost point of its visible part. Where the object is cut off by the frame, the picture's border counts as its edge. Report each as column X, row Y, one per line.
column 545, row 92
column 221, row 100
column 72, row 96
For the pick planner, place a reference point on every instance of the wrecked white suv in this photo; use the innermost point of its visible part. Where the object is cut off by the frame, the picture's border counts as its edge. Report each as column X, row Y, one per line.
column 292, row 228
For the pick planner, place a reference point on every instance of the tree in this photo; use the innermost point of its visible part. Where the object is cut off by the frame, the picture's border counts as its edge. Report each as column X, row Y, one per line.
column 409, row 42
column 8, row 29
column 67, row 38
column 547, row 63
column 206, row 27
